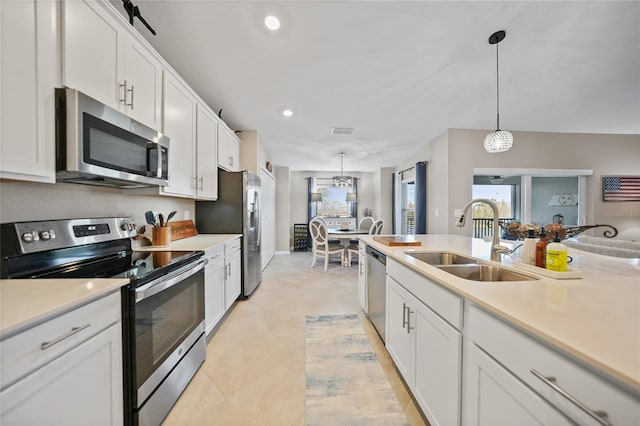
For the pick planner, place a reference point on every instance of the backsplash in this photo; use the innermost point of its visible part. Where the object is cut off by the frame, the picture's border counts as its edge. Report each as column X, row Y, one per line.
column 22, row 201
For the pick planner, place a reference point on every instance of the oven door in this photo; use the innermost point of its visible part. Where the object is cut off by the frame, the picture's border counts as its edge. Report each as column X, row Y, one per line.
column 168, row 317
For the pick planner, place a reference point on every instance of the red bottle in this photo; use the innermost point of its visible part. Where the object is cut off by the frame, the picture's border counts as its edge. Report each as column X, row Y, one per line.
column 541, row 250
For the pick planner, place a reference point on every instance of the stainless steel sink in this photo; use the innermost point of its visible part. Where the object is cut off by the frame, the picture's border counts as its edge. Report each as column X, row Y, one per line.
column 480, row 272
column 442, row 258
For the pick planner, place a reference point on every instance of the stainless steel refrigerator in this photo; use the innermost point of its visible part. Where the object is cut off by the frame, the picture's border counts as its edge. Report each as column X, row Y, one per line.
column 237, row 211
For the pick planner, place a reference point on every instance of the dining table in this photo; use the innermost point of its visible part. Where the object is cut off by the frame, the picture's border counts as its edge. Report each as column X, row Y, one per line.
column 345, row 235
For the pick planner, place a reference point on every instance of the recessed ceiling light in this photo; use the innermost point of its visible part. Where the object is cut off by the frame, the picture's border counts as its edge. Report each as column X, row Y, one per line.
column 272, row 22
column 287, row 112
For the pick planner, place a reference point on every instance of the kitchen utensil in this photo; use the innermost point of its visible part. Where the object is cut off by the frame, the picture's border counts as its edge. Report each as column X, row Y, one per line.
column 161, row 219
column 151, row 219
column 171, row 215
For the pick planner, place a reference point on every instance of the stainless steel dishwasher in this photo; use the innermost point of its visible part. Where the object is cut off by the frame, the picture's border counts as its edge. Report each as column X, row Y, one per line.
column 376, row 288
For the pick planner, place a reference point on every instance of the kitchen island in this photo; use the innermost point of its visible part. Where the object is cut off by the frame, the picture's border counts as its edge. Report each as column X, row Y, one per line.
column 594, row 321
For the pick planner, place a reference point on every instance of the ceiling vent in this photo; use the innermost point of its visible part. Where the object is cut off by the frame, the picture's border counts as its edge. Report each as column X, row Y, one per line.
column 341, row 130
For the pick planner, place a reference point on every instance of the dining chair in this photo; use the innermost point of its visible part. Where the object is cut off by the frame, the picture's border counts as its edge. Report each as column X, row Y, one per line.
column 376, row 228
column 321, row 245
column 364, row 225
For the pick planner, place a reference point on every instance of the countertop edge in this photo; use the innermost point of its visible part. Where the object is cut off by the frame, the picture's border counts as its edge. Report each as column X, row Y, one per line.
column 46, row 315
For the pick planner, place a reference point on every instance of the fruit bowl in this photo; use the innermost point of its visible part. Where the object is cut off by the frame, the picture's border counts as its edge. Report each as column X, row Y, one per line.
column 519, row 231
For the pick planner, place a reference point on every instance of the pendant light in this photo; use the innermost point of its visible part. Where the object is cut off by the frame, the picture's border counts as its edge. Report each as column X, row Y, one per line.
column 500, row 140
column 341, row 181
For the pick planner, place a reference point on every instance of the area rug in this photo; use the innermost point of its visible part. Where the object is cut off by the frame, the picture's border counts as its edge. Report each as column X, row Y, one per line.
column 345, row 382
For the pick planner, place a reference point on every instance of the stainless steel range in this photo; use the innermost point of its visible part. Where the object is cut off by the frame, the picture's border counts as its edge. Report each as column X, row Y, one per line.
column 162, row 307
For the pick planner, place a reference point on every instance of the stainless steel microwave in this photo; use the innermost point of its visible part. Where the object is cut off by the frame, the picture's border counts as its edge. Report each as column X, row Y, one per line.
column 99, row 145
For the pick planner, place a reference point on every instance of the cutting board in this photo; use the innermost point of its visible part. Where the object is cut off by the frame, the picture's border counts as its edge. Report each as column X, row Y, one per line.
column 182, row 229
column 397, row 240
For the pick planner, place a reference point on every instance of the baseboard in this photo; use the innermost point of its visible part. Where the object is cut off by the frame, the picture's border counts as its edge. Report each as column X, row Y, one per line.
column 278, row 253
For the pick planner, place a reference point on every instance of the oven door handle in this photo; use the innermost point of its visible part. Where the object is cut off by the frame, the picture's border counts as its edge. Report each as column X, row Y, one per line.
column 163, row 283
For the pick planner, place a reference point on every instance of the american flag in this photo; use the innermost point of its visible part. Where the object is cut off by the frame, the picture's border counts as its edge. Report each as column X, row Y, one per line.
column 621, row 188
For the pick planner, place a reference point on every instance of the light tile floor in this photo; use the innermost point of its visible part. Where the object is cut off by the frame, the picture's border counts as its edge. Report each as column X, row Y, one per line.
column 254, row 373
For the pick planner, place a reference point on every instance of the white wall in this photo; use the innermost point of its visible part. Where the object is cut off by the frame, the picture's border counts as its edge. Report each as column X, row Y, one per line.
column 24, row 201
column 283, row 209
column 383, row 197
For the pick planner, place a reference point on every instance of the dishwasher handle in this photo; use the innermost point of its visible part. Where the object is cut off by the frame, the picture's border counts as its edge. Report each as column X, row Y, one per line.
column 380, row 257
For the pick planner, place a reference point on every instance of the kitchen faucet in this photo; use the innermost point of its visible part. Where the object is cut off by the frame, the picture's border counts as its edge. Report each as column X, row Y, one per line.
column 496, row 248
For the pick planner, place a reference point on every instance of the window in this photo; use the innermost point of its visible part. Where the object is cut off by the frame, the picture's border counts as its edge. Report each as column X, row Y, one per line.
column 408, row 225
column 334, row 199
column 539, row 196
column 503, row 195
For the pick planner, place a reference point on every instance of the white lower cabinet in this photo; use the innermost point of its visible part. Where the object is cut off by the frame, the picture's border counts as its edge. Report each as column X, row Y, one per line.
column 214, row 287
column 506, row 376
column 495, row 397
column 428, row 353
column 66, row 371
column 233, row 278
column 511, row 378
column 222, row 281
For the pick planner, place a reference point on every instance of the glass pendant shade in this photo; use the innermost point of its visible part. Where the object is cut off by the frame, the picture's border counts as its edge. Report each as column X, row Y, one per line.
column 498, row 141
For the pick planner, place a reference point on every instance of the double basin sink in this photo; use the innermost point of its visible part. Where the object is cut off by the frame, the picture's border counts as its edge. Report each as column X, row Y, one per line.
column 468, row 268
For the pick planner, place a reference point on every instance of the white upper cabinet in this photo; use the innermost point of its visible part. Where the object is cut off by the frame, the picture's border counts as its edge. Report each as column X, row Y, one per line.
column 228, row 149
column 143, row 80
column 180, row 127
column 104, row 60
column 28, row 62
column 207, row 155
column 193, row 139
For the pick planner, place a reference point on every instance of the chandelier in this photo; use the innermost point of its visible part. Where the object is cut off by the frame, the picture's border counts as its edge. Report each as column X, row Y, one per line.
column 342, row 181
column 500, row 140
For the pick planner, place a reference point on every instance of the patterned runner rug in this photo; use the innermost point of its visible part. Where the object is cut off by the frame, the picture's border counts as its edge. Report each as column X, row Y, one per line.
column 345, row 382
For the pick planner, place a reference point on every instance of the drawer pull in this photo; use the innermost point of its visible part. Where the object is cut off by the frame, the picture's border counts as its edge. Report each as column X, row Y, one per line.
column 599, row 416
column 404, row 315
column 74, row 330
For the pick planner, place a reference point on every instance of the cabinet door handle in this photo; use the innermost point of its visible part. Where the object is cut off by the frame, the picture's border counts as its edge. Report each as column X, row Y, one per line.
column 201, row 183
column 404, row 314
column 124, row 90
column 599, row 416
column 195, row 183
column 409, row 312
column 125, row 96
column 74, row 330
column 231, row 160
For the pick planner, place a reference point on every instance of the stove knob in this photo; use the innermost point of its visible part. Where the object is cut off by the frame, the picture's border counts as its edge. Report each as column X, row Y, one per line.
column 128, row 226
column 48, row 235
column 29, row 237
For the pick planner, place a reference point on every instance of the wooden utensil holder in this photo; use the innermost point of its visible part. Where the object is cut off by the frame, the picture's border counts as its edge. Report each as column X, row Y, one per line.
column 161, row 236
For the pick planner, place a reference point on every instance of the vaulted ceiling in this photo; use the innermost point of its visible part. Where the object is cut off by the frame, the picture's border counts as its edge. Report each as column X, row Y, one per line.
column 400, row 73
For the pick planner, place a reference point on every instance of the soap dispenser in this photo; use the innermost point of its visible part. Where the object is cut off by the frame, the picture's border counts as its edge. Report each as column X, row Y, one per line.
column 557, row 255
column 529, row 248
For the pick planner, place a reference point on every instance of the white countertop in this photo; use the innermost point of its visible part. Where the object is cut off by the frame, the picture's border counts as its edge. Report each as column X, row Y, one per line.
column 595, row 319
column 26, row 303
column 197, row 242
